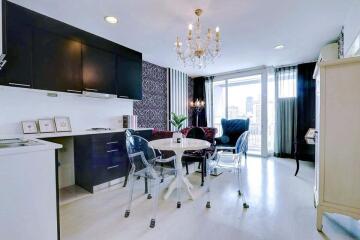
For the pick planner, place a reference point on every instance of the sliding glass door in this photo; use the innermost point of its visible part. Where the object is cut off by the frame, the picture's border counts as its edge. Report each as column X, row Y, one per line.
column 244, row 101
column 244, row 96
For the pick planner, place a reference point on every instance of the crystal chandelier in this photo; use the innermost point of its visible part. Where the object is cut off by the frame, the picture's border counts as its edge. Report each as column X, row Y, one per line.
column 200, row 50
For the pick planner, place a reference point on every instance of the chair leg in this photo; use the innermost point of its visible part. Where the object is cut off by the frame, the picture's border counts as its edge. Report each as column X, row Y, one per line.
column 162, row 170
column 156, row 190
column 187, row 168
column 146, row 186
column 127, row 176
column 241, row 193
column 203, row 169
column 149, row 182
column 131, row 190
column 208, row 186
column 199, row 165
column 126, row 180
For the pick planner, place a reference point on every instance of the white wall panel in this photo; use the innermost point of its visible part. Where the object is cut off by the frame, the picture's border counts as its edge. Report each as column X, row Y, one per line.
column 178, row 93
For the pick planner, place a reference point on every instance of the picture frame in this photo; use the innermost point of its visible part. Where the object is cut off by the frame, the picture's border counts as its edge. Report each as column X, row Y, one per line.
column 62, row 124
column 29, row 127
column 46, row 125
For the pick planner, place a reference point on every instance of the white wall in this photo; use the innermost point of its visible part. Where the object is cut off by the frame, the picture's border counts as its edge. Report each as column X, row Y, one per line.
column 352, row 29
column 18, row 104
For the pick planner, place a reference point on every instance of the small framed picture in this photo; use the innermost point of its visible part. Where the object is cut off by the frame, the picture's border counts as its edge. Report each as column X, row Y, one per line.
column 29, row 127
column 46, row 125
column 62, row 124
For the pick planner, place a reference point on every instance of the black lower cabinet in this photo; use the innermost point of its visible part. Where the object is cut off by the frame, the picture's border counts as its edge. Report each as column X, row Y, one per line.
column 99, row 158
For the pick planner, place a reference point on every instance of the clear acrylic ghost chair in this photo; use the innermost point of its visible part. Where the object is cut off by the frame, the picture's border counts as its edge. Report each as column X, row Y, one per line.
column 228, row 158
column 143, row 164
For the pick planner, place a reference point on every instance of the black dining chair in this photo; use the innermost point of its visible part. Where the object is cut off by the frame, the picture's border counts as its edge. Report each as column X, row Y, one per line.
column 198, row 156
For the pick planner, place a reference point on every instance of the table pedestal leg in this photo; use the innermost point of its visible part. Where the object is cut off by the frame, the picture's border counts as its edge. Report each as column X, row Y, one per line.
column 179, row 177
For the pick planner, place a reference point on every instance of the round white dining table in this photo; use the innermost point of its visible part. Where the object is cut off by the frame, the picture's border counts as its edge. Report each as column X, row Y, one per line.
column 187, row 144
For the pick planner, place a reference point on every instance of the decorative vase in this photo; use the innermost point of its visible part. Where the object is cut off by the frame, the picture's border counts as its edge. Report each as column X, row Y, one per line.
column 177, row 136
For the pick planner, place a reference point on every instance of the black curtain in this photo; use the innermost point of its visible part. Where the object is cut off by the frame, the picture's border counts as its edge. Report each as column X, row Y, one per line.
column 199, row 93
column 306, row 87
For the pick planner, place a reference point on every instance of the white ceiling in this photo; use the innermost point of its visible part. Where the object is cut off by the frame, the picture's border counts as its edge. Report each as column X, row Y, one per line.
column 250, row 28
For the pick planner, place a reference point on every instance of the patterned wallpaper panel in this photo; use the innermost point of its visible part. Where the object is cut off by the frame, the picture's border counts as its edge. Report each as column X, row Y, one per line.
column 152, row 109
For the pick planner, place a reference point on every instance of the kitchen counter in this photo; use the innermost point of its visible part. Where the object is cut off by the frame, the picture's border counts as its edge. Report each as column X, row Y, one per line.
column 69, row 134
column 39, row 145
column 45, row 145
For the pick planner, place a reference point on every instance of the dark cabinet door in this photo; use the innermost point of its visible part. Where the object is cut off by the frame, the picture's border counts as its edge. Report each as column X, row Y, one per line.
column 57, row 62
column 17, row 70
column 99, row 74
column 129, row 76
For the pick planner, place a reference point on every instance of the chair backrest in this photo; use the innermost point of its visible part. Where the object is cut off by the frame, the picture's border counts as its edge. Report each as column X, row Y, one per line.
column 242, row 143
column 140, row 154
column 197, row 133
column 233, row 128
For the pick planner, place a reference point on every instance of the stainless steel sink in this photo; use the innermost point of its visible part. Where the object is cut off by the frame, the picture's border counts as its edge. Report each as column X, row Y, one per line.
column 17, row 142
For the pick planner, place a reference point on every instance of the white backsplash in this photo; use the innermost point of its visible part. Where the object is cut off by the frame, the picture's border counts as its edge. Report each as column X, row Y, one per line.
column 18, row 104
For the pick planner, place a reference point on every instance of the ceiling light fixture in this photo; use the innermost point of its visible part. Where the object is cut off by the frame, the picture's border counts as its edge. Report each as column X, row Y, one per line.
column 111, row 19
column 279, row 47
column 199, row 50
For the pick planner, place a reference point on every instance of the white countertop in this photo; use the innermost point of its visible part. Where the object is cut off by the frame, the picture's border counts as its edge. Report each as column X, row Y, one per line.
column 42, row 146
column 46, row 145
column 68, row 134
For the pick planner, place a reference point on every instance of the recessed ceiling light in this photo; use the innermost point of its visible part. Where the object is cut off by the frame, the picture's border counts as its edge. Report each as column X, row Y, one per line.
column 111, row 19
column 279, row 47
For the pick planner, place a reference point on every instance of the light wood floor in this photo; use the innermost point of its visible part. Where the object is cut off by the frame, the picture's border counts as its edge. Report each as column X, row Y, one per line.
column 281, row 207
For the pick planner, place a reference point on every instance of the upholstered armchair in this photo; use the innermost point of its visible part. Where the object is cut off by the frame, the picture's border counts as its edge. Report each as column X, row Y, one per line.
column 232, row 129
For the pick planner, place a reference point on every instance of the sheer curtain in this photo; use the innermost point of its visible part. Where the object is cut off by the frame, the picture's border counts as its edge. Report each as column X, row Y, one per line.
column 285, row 118
column 209, row 101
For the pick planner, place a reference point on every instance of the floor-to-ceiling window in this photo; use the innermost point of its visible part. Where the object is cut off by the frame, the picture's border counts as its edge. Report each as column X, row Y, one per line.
column 240, row 97
column 249, row 94
column 244, row 101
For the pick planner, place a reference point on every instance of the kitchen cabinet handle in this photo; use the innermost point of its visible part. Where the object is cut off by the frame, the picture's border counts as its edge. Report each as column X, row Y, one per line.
column 115, row 166
column 73, row 91
column 19, row 84
column 109, row 143
column 123, row 96
column 91, row 89
column 114, row 150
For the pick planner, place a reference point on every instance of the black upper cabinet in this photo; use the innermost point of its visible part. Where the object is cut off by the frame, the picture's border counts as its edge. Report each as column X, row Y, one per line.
column 47, row 54
column 57, row 62
column 17, row 71
column 129, row 76
column 99, row 73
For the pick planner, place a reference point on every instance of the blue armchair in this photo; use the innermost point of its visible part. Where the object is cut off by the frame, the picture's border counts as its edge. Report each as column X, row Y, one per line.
column 232, row 129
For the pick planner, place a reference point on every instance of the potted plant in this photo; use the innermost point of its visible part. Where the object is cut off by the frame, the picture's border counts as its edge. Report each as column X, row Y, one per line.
column 177, row 121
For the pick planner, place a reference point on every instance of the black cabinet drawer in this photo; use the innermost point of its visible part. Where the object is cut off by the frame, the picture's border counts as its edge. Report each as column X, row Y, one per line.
column 99, row 158
column 106, row 174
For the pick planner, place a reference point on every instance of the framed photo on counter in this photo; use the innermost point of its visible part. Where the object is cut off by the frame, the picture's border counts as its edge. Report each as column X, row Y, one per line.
column 29, row 127
column 46, row 125
column 62, row 124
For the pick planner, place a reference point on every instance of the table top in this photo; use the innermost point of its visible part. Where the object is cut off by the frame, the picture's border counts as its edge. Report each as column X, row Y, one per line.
column 168, row 144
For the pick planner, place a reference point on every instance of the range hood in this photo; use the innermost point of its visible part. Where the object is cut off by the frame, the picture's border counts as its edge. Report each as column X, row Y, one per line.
column 98, row 95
